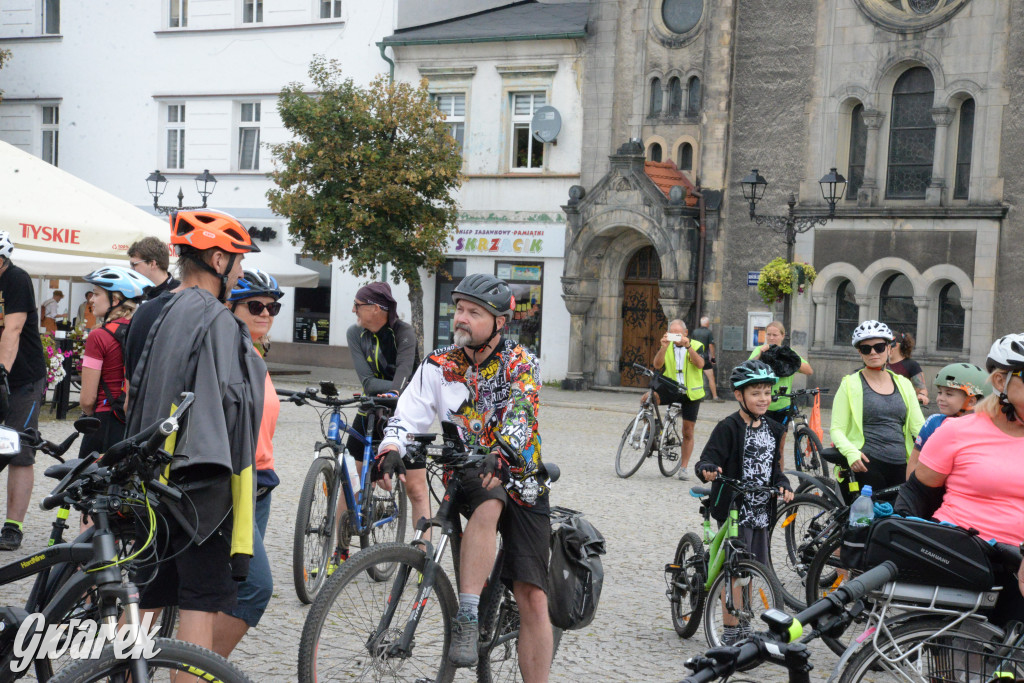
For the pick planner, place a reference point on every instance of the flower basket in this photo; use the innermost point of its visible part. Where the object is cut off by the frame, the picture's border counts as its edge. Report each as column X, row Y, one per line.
column 54, row 361
column 779, row 278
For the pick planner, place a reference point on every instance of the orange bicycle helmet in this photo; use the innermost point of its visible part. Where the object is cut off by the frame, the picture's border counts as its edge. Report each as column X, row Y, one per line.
column 206, row 229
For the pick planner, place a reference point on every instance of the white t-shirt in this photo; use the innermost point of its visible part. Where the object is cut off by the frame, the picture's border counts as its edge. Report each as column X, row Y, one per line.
column 681, row 352
column 51, row 308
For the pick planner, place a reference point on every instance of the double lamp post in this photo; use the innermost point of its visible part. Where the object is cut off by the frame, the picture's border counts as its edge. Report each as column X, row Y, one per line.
column 833, row 186
column 157, row 185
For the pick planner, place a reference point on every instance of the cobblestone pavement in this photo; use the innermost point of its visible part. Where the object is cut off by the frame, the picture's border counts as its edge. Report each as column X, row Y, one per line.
column 641, row 517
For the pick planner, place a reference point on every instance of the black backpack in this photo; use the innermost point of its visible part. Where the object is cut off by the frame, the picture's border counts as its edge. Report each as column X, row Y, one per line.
column 120, row 335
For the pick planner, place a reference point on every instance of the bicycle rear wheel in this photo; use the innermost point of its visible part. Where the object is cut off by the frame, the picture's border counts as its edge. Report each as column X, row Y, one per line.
column 499, row 641
column 636, row 444
column 755, row 590
column 171, row 655
column 670, row 443
column 807, row 448
column 312, row 544
column 794, row 539
column 384, row 518
column 824, row 575
column 343, row 638
column 686, row 585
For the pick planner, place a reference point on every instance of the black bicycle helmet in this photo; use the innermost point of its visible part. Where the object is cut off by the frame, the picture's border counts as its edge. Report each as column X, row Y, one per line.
column 783, row 360
column 488, row 291
column 752, row 372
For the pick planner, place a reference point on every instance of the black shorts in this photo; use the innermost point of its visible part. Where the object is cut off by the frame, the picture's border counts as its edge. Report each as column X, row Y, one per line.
column 880, row 475
column 669, row 395
column 26, row 402
column 525, row 533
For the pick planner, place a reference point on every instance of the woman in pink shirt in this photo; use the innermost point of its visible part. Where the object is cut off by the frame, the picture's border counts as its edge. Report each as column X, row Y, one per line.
column 971, row 472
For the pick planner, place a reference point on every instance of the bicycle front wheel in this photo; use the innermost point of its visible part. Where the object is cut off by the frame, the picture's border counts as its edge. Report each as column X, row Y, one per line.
column 686, row 585
column 794, row 540
column 314, row 530
column 670, row 455
column 499, row 641
column 636, row 444
column 755, row 590
column 384, row 520
column 343, row 637
column 171, row 656
column 912, row 652
column 807, row 449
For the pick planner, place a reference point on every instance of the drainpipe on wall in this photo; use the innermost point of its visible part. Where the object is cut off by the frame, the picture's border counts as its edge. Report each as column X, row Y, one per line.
column 391, row 79
column 702, row 244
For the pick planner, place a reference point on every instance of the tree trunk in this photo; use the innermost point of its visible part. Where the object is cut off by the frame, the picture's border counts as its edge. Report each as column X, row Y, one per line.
column 416, row 302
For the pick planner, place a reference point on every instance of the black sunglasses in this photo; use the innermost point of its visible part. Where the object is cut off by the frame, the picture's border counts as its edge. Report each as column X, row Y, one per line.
column 865, row 349
column 256, row 307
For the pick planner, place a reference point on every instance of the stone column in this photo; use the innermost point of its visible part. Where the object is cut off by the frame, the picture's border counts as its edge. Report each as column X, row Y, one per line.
column 578, row 307
column 925, row 340
column 867, row 195
column 967, row 304
column 935, row 195
column 820, row 320
column 665, row 94
column 863, row 306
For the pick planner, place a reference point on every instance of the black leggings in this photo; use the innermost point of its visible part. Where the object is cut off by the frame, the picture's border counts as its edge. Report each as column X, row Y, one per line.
column 880, row 475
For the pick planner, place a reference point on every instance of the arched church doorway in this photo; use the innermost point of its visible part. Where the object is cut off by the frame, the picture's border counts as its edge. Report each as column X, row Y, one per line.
column 643, row 321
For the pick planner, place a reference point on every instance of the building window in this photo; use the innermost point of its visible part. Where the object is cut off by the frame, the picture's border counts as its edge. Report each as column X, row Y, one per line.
column 178, row 17
column 951, row 319
column 858, row 152
column 693, row 96
column 686, row 157
column 51, row 17
column 654, row 151
column 51, row 134
column 449, row 277
column 176, row 136
column 675, row 97
column 896, row 306
column 847, row 313
column 330, row 9
column 249, row 137
column 911, row 135
column 656, row 97
column 681, row 16
column 313, row 305
column 527, row 152
column 252, row 11
column 526, row 280
column 453, row 105
column 964, row 149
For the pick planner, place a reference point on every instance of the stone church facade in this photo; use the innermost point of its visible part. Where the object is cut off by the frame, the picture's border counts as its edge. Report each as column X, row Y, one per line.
column 916, row 102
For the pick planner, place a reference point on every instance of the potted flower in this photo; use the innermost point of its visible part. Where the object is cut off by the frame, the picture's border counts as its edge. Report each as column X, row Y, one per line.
column 779, row 278
column 54, row 361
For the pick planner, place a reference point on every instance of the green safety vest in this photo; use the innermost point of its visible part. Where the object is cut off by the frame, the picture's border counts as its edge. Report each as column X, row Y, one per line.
column 693, row 377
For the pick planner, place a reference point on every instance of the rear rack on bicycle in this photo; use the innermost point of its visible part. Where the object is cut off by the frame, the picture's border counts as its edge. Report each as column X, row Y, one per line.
column 912, row 596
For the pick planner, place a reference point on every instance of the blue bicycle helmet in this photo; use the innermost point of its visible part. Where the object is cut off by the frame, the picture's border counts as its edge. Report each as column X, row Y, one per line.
column 124, row 281
column 256, row 283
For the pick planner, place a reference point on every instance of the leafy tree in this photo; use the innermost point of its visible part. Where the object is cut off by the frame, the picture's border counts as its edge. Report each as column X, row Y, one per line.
column 5, row 56
column 368, row 176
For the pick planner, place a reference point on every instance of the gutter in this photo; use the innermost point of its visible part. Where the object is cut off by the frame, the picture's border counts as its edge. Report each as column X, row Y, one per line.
column 391, row 62
column 493, row 39
column 702, row 245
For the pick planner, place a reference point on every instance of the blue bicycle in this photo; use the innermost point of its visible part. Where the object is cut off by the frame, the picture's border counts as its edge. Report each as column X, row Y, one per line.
column 322, row 530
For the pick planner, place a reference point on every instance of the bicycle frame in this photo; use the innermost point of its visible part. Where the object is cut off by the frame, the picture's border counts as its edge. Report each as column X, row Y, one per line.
column 716, row 544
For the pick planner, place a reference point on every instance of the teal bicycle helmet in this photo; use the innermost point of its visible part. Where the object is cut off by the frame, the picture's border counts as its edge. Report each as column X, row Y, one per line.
column 752, row 372
column 126, row 282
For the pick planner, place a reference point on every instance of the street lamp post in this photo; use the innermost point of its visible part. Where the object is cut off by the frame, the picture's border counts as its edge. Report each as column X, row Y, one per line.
column 833, row 186
column 157, row 184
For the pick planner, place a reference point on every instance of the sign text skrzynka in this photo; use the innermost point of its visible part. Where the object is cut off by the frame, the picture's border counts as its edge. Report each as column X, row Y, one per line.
column 79, row 639
column 520, row 240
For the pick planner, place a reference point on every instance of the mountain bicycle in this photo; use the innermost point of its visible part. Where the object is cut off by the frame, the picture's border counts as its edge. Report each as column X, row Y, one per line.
column 717, row 575
column 322, row 532
column 806, row 444
column 401, row 630
column 120, row 484
column 785, row 644
column 646, row 432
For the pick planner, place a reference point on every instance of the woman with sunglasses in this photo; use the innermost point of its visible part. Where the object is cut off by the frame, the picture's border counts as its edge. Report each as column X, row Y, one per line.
column 254, row 301
column 875, row 416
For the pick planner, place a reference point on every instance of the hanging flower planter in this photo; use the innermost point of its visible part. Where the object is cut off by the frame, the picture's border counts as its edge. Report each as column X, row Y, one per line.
column 779, row 278
column 54, row 361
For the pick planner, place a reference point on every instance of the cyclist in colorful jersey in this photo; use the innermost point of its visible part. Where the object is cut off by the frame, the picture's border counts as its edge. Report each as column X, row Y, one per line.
column 116, row 293
column 960, row 386
column 487, row 385
column 255, row 301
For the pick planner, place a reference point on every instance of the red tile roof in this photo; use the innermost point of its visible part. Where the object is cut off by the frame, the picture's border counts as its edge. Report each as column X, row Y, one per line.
column 665, row 175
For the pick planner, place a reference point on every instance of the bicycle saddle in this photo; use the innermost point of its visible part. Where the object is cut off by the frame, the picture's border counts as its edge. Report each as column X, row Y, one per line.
column 833, row 456
column 61, row 469
column 700, row 491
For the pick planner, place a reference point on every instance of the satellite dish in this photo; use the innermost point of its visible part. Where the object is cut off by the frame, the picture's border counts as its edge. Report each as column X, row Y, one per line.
column 546, row 124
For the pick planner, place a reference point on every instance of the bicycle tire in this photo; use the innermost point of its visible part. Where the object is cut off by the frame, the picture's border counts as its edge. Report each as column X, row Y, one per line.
column 346, row 614
column 172, row 655
column 627, row 462
column 793, row 540
column 824, row 576
column 670, row 443
column 312, row 543
column 807, row 448
column 384, row 504
column 686, row 590
column 499, row 654
column 764, row 591
column 868, row 664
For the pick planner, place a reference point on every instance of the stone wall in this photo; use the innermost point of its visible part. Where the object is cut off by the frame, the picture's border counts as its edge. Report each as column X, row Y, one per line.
column 1010, row 273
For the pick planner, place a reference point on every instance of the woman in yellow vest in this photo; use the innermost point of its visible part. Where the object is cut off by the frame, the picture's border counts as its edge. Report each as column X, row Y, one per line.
column 680, row 357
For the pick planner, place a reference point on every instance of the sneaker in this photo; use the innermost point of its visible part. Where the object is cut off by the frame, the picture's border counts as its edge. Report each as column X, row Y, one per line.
column 730, row 635
column 465, row 637
column 684, row 474
column 10, row 537
column 337, row 558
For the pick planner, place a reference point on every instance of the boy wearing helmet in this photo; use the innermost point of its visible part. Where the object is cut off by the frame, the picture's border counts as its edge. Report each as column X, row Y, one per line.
column 961, row 386
column 487, row 385
column 197, row 345
column 21, row 354
column 746, row 446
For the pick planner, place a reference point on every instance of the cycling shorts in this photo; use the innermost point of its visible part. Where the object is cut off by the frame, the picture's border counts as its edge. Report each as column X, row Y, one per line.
column 669, row 395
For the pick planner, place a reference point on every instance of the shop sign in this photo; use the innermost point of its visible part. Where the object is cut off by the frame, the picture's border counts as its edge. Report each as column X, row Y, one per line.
column 524, row 240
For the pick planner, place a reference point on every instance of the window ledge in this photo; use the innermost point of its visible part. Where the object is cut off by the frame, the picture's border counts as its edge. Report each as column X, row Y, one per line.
column 522, row 174
column 325, row 23
column 992, row 211
column 175, row 173
column 844, row 353
column 43, row 38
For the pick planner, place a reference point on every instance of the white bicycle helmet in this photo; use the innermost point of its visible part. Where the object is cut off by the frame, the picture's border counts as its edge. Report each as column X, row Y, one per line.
column 125, row 282
column 871, row 329
column 6, row 245
column 1007, row 353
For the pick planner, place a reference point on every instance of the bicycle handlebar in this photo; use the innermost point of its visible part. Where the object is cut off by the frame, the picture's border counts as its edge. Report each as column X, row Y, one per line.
column 849, row 591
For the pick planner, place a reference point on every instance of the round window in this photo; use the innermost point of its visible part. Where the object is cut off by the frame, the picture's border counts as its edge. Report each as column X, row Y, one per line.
column 680, row 16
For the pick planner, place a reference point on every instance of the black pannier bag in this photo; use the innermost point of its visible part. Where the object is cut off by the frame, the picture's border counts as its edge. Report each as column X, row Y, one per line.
column 575, row 574
column 925, row 552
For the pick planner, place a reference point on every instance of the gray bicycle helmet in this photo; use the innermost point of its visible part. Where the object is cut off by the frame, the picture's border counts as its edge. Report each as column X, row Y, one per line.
column 488, row 291
column 752, row 372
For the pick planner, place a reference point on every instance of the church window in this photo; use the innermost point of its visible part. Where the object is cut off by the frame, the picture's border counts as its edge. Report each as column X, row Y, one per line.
column 911, row 135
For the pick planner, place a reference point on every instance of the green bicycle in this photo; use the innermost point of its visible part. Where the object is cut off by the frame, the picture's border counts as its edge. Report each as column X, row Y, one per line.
column 700, row 577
